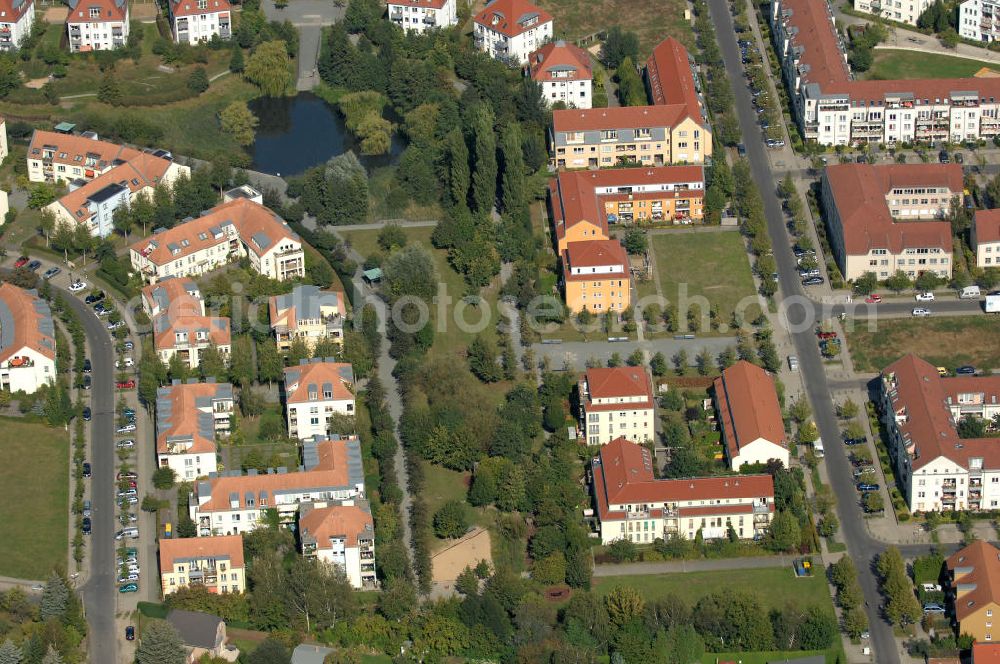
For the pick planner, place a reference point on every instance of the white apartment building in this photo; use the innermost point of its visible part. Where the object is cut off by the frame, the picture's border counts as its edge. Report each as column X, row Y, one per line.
column 232, row 503
column 307, row 313
column 900, row 11
column 315, row 390
column 986, row 238
column 27, row 340
column 97, row 25
column 921, row 410
column 62, row 156
column 194, row 21
column 341, row 534
column 16, row 19
column 509, row 30
column 235, row 229
column 564, row 73
column 189, row 418
column 617, row 402
column 189, row 336
column 421, row 15
column 891, row 217
column 631, row 504
column 979, row 20
column 216, row 563
column 4, row 150
column 832, row 108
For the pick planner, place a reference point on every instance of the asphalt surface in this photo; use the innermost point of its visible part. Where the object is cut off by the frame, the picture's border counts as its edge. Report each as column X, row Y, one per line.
column 860, row 546
column 99, row 593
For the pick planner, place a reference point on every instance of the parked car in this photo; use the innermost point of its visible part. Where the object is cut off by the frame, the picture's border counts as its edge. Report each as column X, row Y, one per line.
column 931, row 587
column 124, row 363
column 813, row 272
column 125, row 384
column 86, row 508
column 86, row 413
column 741, row 150
column 128, row 412
column 862, row 486
column 96, row 296
column 21, row 262
column 130, row 500
column 87, row 366
column 855, row 441
column 77, row 286
column 775, row 143
column 129, row 588
column 86, row 527
column 116, row 325
column 51, row 272
column 125, row 444
column 942, row 371
column 943, row 157
column 87, row 382
column 130, row 633
column 959, row 158
column 100, row 310
column 128, row 427
column 826, row 335
column 812, row 281
column 920, row 311
column 34, row 265
column 127, row 475
column 873, row 299
column 933, row 608
column 87, row 472
column 128, row 345
column 925, row 297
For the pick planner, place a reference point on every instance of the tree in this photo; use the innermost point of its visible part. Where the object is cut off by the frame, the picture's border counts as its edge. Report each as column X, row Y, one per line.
column 458, row 167
column 848, row 410
column 873, row 502
column 635, row 241
column 268, row 68
column 784, row 534
column 238, row 121
column 10, row 76
column 52, row 656
column 160, row 644
column 236, row 63
column 898, row 282
column 451, row 521
column 197, row 81
column 800, row 411
column 242, row 368
column 971, row 426
column 551, row 569
column 270, row 651
column 658, row 365
column 623, row 551
column 680, row 360
column 410, row 271
column 623, row 604
column 866, row 284
column 55, row 598
column 514, row 192
column 855, row 622
column 164, row 477
column 619, row 45
column 684, row 645
column 928, row 281
column 391, row 236
column 10, row 653
column 122, row 220
column 484, row 178
column 269, row 364
column 109, row 92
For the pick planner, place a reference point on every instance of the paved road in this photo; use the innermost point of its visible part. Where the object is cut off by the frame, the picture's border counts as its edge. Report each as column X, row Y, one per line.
column 309, row 16
column 670, row 567
column 576, row 353
column 861, row 547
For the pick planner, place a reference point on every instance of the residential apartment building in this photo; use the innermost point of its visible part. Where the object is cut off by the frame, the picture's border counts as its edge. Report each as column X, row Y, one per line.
column 629, row 135
column 900, row 11
column 27, row 340
column 564, row 73
column 93, row 202
column 631, row 504
column 315, row 390
column 890, row 217
column 194, row 21
column 595, row 276
column 215, row 563
column 421, row 15
column 617, row 402
column 307, row 313
column 973, row 578
column 189, row 336
column 750, row 420
column 583, row 204
column 235, row 229
column 833, row 108
column 938, row 470
column 232, row 503
column 672, row 78
column 341, row 534
column 174, row 296
column 189, row 418
column 97, row 25
column 62, row 156
column 986, row 238
column 979, row 20
column 4, row 149
column 509, row 30
column 16, row 19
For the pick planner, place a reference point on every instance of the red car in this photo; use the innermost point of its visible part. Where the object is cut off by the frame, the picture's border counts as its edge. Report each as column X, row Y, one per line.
column 873, row 299
column 125, row 384
column 827, row 335
column 21, row 262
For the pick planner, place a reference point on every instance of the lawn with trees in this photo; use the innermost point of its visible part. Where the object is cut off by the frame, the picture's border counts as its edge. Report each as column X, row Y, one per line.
column 947, row 342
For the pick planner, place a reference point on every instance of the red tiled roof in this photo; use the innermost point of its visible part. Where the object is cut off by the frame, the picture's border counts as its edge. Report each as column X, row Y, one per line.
column 618, row 117
column 594, row 253
column 429, row 4
column 748, row 407
column 143, row 170
column 670, row 77
column 859, row 192
column 614, row 382
column 314, row 376
column 13, row 10
column 337, row 521
column 985, row 653
column 560, row 56
column 180, row 8
column 920, row 395
column 28, row 323
column 984, row 559
column 166, row 325
column 77, row 149
column 110, row 10
column 197, row 548
column 507, row 16
column 988, row 225
column 178, row 292
column 623, row 474
column 184, row 416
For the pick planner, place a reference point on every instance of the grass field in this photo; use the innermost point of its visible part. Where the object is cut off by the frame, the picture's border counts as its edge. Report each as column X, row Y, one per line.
column 34, row 499
column 710, row 265
column 651, row 20
column 893, row 64
column 944, row 342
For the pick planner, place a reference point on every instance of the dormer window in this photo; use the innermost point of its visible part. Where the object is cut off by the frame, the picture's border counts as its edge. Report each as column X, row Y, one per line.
column 95, row 12
column 202, row 4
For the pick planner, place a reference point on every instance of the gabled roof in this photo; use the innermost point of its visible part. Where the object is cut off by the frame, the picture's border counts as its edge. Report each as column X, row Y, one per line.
column 347, row 522
column 25, row 322
column 13, row 10
column 620, row 117
column 614, row 382
column 859, row 193
column 75, row 150
column 594, row 253
column 976, row 568
column 748, row 407
column 196, row 629
column 560, row 61
column 511, row 17
column 165, row 326
column 429, row 4
column 220, row 547
column 143, row 170
column 669, row 72
column 178, row 296
column 988, row 225
column 305, row 302
column 110, row 10
column 181, row 8
column 318, row 376
column 184, row 413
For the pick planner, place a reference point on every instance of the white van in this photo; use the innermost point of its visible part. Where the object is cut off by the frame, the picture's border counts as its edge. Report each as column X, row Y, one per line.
column 818, row 448
column 970, row 292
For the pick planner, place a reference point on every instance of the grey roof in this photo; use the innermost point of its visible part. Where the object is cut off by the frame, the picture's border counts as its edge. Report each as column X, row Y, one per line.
column 159, row 294
column 107, row 193
column 206, row 420
column 196, row 629
column 309, row 654
column 307, row 300
column 261, row 239
column 355, row 469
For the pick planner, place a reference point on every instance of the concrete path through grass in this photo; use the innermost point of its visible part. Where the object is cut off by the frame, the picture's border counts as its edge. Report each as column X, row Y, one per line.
column 701, row 565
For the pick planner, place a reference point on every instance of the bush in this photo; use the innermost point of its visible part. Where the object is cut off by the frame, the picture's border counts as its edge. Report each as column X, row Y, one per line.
column 164, row 477
column 623, row 551
column 452, row 520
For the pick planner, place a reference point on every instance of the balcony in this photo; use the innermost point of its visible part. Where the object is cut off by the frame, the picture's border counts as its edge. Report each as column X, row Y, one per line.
column 761, row 509
column 430, row 21
column 639, row 514
column 397, row 16
column 224, row 30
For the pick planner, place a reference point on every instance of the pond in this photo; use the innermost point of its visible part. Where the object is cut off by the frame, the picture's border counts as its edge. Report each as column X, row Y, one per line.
column 297, row 133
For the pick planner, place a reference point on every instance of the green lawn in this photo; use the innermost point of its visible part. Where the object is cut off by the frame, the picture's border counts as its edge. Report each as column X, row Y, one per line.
column 893, row 64
column 34, row 499
column 711, row 265
column 652, row 20
column 945, row 342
